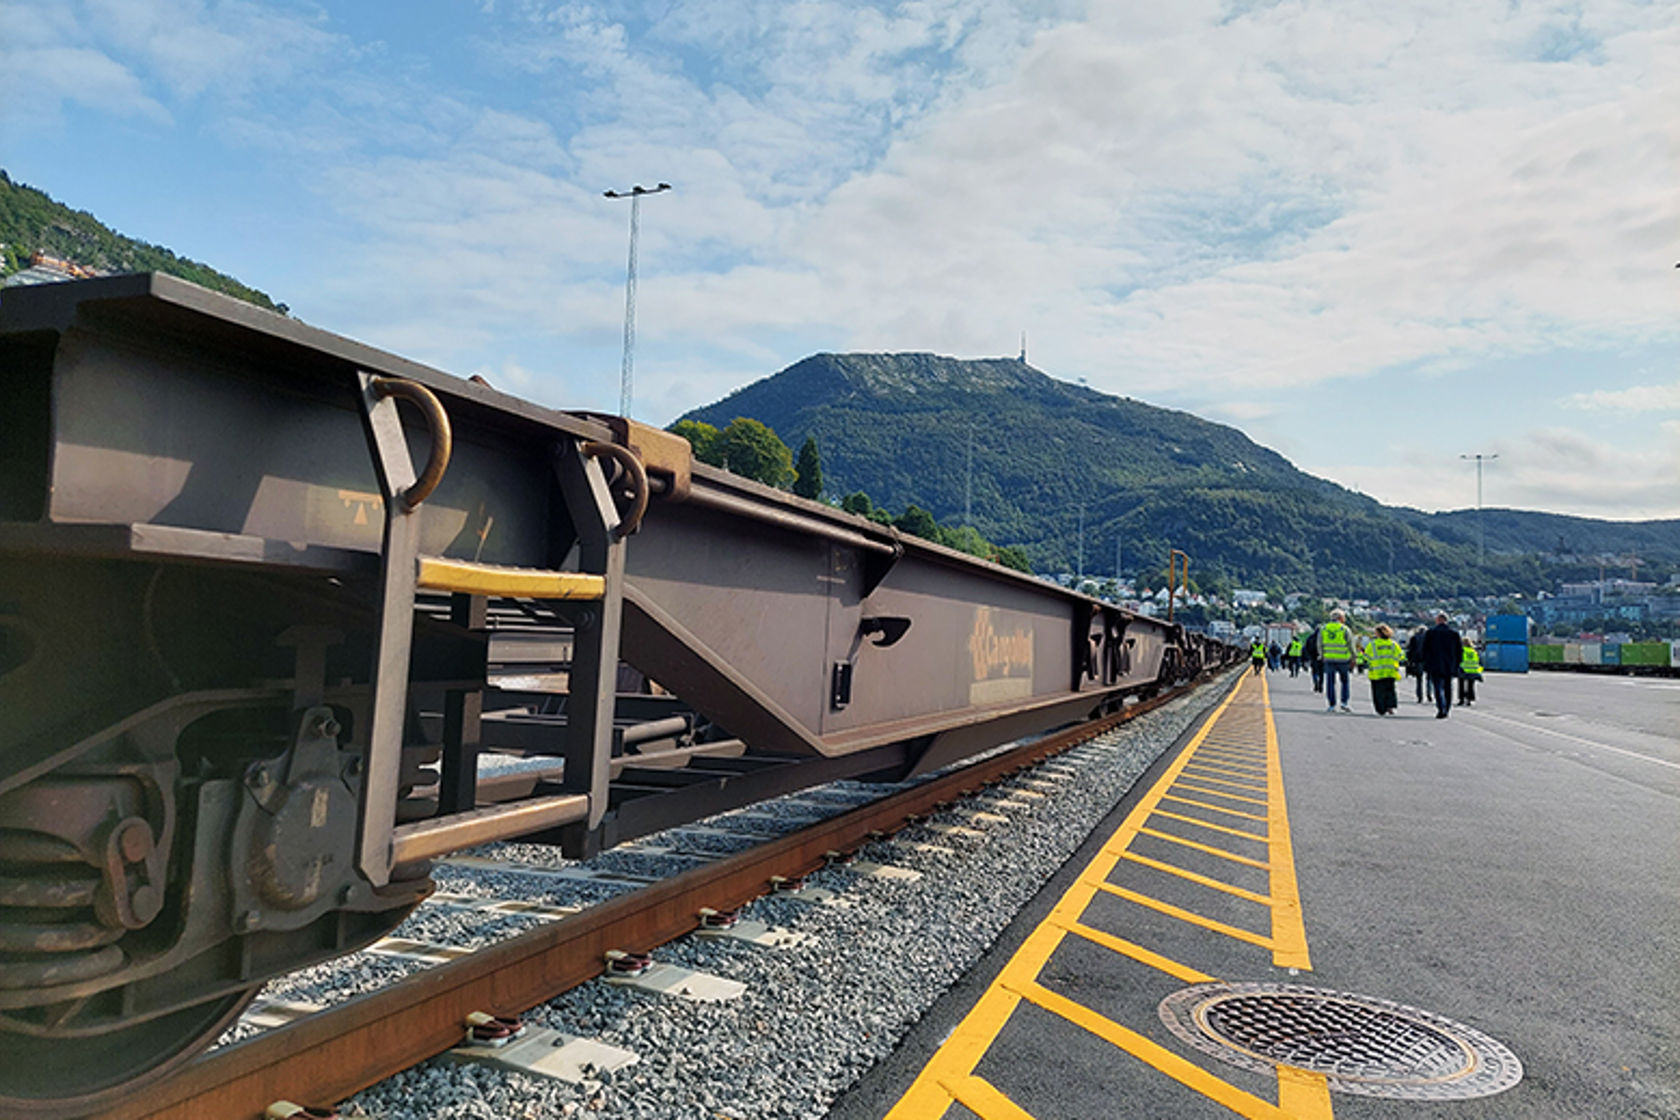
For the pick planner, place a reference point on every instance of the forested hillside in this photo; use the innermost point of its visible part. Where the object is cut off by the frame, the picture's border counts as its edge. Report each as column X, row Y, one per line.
column 1028, row 452
column 31, row 222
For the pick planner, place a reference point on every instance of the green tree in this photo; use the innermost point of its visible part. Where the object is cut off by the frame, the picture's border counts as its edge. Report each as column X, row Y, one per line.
column 966, row 538
column 752, row 450
column 919, row 522
column 809, row 484
column 705, row 439
column 1014, row 556
column 857, row 502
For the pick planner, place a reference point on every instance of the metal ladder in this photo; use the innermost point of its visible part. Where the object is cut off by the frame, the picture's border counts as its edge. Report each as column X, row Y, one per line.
column 382, row 844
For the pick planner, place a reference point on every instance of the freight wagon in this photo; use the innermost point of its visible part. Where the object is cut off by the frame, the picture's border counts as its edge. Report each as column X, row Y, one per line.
column 267, row 593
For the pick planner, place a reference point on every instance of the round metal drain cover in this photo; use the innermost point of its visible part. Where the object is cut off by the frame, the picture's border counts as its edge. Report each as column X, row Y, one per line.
column 1361, row 1045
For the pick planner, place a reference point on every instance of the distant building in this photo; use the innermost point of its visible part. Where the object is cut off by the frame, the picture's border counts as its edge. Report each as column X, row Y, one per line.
column 49, row 270
column 1245, row 598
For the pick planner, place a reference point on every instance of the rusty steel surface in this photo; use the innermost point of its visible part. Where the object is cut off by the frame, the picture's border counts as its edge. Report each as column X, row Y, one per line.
column 329, row 1056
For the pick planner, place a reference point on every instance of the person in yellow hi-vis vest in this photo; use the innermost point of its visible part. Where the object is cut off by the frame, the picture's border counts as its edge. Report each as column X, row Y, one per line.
column 1383, row 656
column 1469, row 672
column 1335, row 646
column 1292, row 655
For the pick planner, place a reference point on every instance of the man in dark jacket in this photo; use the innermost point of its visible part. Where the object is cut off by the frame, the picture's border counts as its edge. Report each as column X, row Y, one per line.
column 1309, row 650
column 1414, row 659
column 1443, row 649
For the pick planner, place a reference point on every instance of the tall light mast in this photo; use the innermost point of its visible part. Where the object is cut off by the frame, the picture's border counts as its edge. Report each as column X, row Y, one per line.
column 634, row 194
column 1481, row 531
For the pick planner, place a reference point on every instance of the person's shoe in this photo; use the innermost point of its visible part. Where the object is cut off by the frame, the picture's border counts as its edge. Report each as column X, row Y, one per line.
column 1345, row 708
column 1440, row 715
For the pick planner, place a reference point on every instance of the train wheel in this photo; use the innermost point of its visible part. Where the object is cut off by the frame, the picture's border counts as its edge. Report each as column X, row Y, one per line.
column 54, row 1077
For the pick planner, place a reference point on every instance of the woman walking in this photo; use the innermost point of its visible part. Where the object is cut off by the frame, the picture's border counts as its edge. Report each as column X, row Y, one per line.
column 1383, row 656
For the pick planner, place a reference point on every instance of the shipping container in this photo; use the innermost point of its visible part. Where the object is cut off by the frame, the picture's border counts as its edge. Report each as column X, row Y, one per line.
column 1645, row 653
column 1610, row 653
column 1572, row 653
column 1592, row 653
column 1545, row 653
column 1674, row 654
column 1507, row 628
column 1506, row 657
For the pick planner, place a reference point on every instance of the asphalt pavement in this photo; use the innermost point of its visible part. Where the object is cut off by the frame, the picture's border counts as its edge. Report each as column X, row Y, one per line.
column 1512, row 868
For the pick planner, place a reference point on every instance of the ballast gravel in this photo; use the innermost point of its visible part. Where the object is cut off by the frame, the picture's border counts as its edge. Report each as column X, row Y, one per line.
column 815, row 1017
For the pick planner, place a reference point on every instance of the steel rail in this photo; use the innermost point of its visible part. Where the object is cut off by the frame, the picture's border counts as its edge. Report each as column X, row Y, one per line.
column 332, row 1054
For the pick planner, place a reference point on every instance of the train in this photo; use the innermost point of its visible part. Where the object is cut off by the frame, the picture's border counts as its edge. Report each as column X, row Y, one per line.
column 269, row 597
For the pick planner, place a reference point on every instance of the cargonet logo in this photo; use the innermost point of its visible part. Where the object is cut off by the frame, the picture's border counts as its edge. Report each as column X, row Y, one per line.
column 999, row 655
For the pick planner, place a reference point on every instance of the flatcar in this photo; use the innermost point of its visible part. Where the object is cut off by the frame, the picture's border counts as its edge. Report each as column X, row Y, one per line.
column 268, row 594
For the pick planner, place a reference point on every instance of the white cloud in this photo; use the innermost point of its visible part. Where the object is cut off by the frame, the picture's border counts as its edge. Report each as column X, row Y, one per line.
column 1638, row 398
column 130, row 57
column 1221, row 202
column 1549, row 468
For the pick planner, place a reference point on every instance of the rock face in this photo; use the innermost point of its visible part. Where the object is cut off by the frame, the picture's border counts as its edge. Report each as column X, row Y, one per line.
column 1029, row 451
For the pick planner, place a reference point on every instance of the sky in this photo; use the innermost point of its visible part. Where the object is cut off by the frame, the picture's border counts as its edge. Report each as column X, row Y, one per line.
column 1375, row 236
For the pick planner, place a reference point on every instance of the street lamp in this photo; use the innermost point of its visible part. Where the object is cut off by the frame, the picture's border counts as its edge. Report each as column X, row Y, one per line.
column 1481, row 532
column 634, row 194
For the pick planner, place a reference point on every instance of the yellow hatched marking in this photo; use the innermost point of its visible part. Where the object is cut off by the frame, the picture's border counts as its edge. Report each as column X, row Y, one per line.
column 1220, row 793
column 1260, row 788
column 1194, row 877
column 984, row 1099
column 1231, row 772
column 1179, row 1069
column 1208, row 848
column 1289, row 930
column 949, row 1075
column 1184, row 915
column 1214, row 808
column 1303, row 1094
column 1215, row 827
column 1138, row 953
column 1241, row 767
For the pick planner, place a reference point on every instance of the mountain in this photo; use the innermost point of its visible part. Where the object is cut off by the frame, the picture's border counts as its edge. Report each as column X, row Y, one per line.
column 32, row 222
column 906, row 427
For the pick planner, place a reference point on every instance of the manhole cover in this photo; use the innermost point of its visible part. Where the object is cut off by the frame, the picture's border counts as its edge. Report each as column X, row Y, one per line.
column 1366, row 1046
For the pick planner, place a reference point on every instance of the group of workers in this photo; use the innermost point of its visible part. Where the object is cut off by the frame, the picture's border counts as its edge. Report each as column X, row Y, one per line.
column 1435, row 656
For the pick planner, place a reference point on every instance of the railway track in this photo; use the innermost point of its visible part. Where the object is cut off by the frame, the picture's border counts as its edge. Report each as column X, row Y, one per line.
column 330, row 1055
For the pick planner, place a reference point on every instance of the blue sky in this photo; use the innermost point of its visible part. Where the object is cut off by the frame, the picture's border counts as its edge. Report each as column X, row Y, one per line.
column 1372, row 235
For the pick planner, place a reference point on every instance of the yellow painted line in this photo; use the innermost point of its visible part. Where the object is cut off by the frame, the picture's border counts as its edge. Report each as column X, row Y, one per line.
column 1214, row 827
column 1260, row 788
column 949, row 1076
column 1289, row 931
column 1179, row 1069
column 984, row 1099
column 1208, row 848
column 1303, row 1094
column 435, row 573
column 1240, row 747
column 1228, row 771
column 1219, row 793
column 1138, row 953
column 1204, row 880
column 1184, row 915
column 1247, row 768
column 968, row 1043
column 1208, row 805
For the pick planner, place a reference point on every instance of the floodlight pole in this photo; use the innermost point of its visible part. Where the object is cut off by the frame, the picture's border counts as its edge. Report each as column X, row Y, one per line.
column 634, row 194
column 1481, row 531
